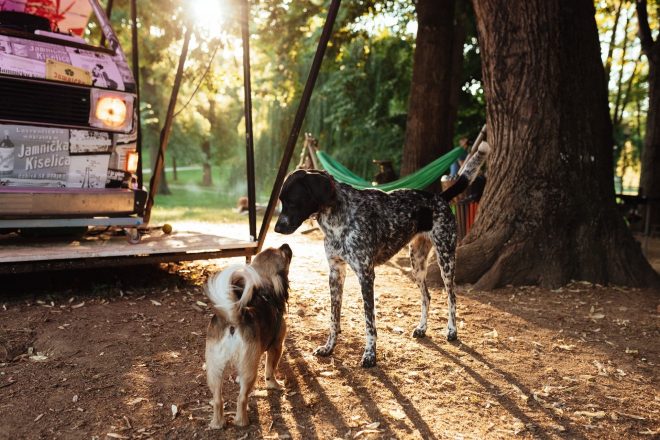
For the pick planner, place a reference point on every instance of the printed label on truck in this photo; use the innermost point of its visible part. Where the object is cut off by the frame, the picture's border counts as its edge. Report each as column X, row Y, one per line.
column 64, row 72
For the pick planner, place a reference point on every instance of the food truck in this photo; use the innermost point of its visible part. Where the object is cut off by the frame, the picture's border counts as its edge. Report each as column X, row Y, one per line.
column 68, row 120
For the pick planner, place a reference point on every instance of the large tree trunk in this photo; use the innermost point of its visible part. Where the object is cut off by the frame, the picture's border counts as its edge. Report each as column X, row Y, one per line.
column 433, row 101
column 548, row 214
column 650, row 178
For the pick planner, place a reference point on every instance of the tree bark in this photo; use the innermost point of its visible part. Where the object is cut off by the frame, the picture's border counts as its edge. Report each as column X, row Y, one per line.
column 207, row 175
column 433, row 102
column 175, row 174
column 163, row 187
column 650, row 177
column 548, row 214
column 610, row 48
column 619, row 89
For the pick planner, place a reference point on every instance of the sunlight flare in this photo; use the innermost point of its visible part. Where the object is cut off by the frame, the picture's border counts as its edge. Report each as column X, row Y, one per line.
column 211, row 14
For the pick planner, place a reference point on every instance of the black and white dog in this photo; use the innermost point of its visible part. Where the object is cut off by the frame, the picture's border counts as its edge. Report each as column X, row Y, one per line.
column 365, row 228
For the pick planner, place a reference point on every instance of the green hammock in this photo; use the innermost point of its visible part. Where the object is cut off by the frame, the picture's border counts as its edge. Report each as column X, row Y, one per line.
column 420, row 179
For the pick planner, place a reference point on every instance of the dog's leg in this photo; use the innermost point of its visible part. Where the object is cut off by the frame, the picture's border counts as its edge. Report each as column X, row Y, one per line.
column 366, row 277
column 444, row 238
column 419, row 251
column 337, row 276
column 248, row 376
column 215, row 378
column 273, row 356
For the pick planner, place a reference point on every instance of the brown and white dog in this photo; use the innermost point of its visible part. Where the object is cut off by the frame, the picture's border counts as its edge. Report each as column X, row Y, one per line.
column 248, row 305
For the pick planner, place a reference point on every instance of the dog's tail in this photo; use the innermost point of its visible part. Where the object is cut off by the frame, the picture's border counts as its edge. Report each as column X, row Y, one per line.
column 231, row 290
column 469, row 172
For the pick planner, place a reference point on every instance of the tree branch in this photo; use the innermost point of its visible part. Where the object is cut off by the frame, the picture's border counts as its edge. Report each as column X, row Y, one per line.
column 645, row 36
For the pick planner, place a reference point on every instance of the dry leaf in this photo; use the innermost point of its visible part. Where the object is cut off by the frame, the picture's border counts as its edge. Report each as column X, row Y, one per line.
column 373, row 425
column 154, row 302
column 136, row 401
column 594, row 414
column 366, row 431
column 77, row 306
column 201, row 304
column 38, row 417
column 327, row 373
column 597, row 316
column 491, row 334
column 397, row 414
column 175, row 411
column 115, row 435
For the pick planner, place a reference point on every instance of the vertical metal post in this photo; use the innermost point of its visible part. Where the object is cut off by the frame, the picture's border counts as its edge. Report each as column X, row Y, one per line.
column 249, row 139
column 300, row 116
column 167, row 126
column 108, row 13
column 135, row 56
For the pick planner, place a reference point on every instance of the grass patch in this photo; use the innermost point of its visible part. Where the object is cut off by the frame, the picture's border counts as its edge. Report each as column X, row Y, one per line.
column 190, row 201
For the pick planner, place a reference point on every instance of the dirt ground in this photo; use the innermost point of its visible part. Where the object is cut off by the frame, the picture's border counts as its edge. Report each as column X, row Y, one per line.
column 119, row 353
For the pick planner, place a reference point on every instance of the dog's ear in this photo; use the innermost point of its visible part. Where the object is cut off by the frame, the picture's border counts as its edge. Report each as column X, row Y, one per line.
column 286, row 250
column 322, row 187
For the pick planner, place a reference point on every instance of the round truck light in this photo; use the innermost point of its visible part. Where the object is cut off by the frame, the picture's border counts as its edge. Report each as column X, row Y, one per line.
column 111, row 110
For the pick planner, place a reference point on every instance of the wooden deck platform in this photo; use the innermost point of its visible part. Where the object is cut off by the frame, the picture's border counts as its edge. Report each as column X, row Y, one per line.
column 19, row 254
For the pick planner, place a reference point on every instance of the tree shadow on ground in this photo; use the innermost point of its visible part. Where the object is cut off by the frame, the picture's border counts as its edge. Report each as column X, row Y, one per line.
column 495, row 391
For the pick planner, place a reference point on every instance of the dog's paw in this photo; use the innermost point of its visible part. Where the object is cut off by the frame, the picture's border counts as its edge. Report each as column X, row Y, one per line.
column 452, row 335
column 323, row 351
column 218, row 424
column 368, row 359
column 419, row 333
column 273, row 384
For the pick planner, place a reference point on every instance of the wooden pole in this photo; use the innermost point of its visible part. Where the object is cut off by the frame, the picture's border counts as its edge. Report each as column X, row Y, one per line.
column 475, row 146
column 249, row 140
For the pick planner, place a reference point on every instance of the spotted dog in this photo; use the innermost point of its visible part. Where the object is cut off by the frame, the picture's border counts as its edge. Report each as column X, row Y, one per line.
column 365, row 228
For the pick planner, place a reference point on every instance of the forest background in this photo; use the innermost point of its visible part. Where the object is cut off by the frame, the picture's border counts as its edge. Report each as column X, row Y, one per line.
column 359, row 107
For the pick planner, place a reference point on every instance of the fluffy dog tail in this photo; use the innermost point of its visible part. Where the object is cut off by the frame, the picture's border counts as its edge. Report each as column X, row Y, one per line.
column 231, row 290
column 468, row 173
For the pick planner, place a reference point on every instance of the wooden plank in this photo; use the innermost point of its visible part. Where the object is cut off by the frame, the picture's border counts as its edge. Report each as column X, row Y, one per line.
column 18, row 249
column 93, row 263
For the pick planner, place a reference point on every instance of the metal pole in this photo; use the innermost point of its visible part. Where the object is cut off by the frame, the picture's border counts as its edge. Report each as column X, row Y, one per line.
column 300, row 116
column 167, row 126
column 108, row 13
column 136, row 76
column 249, row 140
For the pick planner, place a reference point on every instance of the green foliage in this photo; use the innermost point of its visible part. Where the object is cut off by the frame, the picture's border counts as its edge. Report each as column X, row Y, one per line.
column 359, row 110
column 628, row 78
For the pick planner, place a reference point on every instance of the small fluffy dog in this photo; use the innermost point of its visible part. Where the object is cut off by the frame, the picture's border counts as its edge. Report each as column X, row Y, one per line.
column 248, row 306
